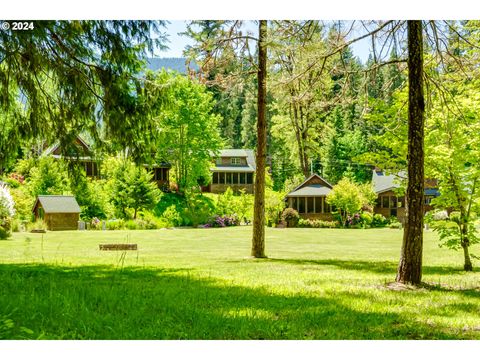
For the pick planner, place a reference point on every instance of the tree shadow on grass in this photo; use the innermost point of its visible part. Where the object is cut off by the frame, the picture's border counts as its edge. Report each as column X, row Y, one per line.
column 378, row 267
column 100, row 302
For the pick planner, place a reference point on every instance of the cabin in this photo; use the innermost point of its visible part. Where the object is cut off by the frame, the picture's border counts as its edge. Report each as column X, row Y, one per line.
column 388, row 202
column 160, row 174
column 83, row 154
column 309, row 199
column 234, row 168
column 59, row 212
column 80, row 152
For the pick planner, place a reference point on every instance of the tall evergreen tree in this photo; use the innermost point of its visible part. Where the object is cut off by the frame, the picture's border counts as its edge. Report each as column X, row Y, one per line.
column 410, row 267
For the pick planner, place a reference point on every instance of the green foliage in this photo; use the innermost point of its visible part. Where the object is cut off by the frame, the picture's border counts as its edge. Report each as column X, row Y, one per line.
column 349, row 198
column 92, row 195
column 171, row 217
column 243, row 205
column 48, row 177
column 132, row 188
column 450, row 231
column 310, row 223
column 379, row 221
column 66, row 71
column 23, row 202
column 189, row 130
column 7, row 211
column 290, row 216
column 225, row 203
column 37, row 225
column 274, row 204
column 198, row 211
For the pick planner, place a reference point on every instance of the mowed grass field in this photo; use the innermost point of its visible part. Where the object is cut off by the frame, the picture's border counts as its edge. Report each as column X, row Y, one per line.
column 201, row 284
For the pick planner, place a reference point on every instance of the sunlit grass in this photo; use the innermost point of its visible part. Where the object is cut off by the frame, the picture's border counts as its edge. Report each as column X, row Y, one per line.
column 202, row 284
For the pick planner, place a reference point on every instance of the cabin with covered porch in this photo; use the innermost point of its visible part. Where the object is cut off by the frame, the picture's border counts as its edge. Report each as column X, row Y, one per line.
column 234, row 168
column 309, row 199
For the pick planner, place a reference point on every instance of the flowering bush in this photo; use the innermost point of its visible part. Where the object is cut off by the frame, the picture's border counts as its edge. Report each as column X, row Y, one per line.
column 290, row 216
column 7, row 210
column 223, row 221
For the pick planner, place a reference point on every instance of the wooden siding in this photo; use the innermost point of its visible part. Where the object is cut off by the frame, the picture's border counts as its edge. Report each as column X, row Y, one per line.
column 57, row 221
column 227, row 161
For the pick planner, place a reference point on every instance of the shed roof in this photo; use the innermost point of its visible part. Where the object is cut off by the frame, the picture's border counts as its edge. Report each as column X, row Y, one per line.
column 58, row 204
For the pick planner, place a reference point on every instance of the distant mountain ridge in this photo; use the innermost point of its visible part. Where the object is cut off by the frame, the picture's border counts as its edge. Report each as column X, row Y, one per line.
column 174, row 64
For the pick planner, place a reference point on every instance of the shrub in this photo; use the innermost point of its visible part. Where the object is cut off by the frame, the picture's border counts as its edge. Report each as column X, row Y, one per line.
column 37, row 225
column 171, row 217
column 291, row 217
column 115, row 224
column 395, row 225
column 379, row 220
column 199, row 210
column 309, row 223
column 274, row 204
column 223, row 221
column 4, row 233
column 7, row 211
column 366, row 219
column 23, row 203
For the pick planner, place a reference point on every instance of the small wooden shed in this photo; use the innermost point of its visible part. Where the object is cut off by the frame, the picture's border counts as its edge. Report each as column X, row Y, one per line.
column 60, row 212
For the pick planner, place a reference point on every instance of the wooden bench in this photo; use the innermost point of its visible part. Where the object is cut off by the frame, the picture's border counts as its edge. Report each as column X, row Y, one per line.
column 118, row 246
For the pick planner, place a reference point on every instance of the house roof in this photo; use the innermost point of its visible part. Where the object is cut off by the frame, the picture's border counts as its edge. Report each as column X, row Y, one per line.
column 383, row 182
column 58, row 204
column 311, row 190
column 50, row 150
column 306, row 189
column 240, row 153
column 245, row 169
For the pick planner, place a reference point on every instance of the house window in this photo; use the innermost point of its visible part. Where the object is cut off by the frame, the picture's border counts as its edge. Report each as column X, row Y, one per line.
column 218, row 161
column 158, row 174
column 294, row 203
column 215, row 178
column 393, row 202
column 301, row 205
column 221, row 178
column 249, row 178
column 318, row 204
column 385, row 202
column 242, row 178
column 310, row 208
column 235, row 161
column 229, row 178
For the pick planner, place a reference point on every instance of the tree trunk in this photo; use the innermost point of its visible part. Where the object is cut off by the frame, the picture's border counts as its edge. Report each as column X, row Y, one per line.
column 258, row 239
column 467, row 265
column 410, row 266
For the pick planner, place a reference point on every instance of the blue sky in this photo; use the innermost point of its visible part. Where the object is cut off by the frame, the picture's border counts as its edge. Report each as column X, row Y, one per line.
column 177, row 42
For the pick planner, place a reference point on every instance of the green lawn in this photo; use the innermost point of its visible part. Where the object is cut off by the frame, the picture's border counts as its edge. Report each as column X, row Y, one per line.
column 200, row 284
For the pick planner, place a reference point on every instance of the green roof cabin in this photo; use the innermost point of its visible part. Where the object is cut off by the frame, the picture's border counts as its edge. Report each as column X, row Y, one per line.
column 60, row 212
